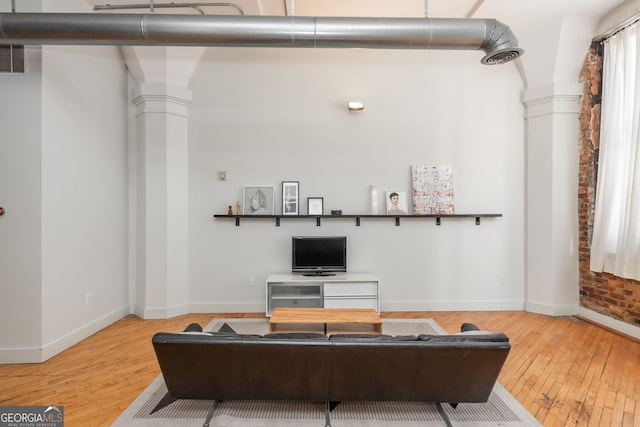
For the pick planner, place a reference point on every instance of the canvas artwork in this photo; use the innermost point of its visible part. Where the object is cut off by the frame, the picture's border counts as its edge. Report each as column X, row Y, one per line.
column 396, row 202
column 432, row 190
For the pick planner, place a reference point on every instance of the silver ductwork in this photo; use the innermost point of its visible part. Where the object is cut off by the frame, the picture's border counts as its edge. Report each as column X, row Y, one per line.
column 489, row 35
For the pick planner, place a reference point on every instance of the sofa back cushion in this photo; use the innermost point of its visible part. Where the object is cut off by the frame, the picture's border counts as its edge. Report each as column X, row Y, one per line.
column 193, row 369
column 426, row 371
column 223, row 367
column 373, row 370
column 458, row 372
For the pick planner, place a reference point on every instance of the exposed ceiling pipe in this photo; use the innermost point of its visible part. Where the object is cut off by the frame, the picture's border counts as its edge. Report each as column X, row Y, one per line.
column 489, row 35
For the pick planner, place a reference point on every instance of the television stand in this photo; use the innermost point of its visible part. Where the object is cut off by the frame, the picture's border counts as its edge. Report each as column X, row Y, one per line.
column 342, row 290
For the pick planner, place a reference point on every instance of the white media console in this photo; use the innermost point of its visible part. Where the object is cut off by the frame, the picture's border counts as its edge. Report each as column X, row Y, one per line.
column 344, row 290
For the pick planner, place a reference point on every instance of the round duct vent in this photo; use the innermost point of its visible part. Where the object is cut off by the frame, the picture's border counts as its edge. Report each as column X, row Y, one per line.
column 502, row 56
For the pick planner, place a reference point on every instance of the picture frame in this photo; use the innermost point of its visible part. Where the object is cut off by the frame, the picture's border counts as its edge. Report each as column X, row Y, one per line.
column 290, row 197
column 257, row 200
column 396, row 203
column 315, row 205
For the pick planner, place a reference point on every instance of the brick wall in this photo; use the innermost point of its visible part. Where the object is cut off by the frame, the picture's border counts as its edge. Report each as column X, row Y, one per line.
column 601, row 292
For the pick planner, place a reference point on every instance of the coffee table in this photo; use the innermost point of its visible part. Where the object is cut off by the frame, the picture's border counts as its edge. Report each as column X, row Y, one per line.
column 358, row 316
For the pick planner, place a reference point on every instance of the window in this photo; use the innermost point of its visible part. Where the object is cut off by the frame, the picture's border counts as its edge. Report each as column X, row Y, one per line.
column 615, row 247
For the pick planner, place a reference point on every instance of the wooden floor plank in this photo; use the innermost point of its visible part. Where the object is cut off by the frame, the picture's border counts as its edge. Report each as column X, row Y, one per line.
column 563, row 370
column 595, row 418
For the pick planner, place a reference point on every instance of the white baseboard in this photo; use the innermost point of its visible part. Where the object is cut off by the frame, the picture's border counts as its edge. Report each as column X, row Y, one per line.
column 168, row 312
column 551, row 310
column 610, row 323
column 20, row 355
column 249, row 307
column 40, row 354
column 163, row 312
column 451, row 305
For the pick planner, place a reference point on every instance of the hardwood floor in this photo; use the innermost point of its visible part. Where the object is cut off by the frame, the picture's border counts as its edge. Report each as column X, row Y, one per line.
column 565, row 371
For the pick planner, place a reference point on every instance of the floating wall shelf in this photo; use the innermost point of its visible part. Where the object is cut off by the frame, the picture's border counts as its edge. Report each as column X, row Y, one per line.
column 357, row 218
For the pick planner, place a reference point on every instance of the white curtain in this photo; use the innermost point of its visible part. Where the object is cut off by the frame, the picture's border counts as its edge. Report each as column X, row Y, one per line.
column 615, row 247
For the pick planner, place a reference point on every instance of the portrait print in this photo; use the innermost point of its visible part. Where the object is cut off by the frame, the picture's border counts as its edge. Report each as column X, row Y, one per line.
column 396, row 202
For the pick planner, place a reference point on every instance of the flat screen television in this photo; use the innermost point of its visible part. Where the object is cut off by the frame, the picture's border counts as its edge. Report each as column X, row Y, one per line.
column 319, row 256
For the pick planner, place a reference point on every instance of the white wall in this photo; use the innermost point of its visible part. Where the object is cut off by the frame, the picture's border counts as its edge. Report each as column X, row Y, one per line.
column 20, row 191
column 64, row 184
column 20, row 195
column 84, row 192
column 269, row 115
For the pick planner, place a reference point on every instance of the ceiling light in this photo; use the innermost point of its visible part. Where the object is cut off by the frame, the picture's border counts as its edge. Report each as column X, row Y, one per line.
column 355, row 105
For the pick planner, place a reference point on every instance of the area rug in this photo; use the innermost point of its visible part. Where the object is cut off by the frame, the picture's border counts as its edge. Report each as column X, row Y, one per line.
column 501, row 409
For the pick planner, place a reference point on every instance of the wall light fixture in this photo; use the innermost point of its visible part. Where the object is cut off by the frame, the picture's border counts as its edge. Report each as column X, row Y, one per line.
column 355, row 105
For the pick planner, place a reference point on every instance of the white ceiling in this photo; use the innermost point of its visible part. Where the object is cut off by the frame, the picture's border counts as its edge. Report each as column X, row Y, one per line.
column 532, row 9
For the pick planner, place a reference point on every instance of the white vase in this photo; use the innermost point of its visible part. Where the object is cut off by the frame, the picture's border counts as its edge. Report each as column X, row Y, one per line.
column 374, row 200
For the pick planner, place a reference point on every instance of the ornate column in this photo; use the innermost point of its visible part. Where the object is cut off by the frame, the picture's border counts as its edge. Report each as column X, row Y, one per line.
column 552, row 134
column 160, row 178
column 162, row 200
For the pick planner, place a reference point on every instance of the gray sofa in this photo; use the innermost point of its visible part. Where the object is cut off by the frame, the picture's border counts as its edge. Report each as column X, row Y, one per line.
column 312, row 367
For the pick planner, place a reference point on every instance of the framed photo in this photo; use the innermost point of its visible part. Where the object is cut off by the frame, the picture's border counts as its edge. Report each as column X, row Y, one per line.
column 257, row 200
column 290, row 197
column 396, row 202
column 315, row 205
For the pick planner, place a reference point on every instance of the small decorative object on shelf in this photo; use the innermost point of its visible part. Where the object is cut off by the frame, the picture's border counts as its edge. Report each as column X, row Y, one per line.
column 1, row 211
column 230, row 211
column 374, row 200
column 238, row 208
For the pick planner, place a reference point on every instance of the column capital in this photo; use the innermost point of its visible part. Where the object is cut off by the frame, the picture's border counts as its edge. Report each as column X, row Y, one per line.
column 162, row 98
column 557, row 98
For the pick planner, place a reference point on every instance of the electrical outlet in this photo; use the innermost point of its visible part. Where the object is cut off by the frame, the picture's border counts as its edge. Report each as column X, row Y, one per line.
column 223, row 176
column 251, row 281
column 88, row 298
